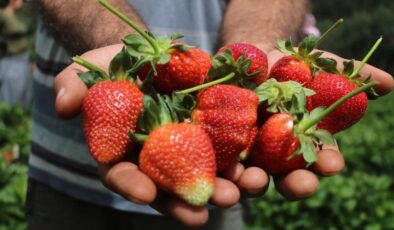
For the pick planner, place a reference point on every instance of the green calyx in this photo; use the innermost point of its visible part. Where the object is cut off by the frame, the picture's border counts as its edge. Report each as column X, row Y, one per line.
column 224, row 64
column 160, row 110
column 306, row 130
column 305, row 48
column 144, row 46
column 120, row 68
column 288, row 97
column 138, row 47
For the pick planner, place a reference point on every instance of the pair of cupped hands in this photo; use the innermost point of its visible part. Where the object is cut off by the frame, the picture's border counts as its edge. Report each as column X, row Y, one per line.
column 127, row 180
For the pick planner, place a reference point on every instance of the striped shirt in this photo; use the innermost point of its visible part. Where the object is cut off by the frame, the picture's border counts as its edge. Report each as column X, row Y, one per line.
column 59, row 155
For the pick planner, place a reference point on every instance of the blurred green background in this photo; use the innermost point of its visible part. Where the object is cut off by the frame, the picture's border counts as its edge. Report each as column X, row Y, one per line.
column 362, row 197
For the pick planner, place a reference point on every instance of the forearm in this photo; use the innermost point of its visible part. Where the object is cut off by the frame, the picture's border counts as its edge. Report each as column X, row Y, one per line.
column 84, row 25
column 262, row 21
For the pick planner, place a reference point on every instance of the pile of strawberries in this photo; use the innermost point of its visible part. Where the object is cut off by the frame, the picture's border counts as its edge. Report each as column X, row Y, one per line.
column 188, row 115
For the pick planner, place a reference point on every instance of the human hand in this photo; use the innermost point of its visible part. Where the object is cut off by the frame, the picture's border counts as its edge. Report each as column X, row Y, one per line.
column 126, row 179
column 303, row 183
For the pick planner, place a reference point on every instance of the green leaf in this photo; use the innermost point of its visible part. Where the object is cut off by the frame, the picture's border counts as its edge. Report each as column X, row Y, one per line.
column 298, row 103
column 308, row 92
column 308, row 149
column 286, row 47
column 348, row 67
column 120, row 64
column 315, row 55
column 181, row 47
column 324, row 136
column 164, row 58
column 147, row 85
column 307, row 45
column 183, row 104
column 175, row 36
column 327, row 64
column 91, row 77
column 134, row 39
column 158, row 111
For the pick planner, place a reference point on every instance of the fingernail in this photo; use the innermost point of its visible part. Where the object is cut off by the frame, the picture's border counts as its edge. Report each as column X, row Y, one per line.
column 60, row 95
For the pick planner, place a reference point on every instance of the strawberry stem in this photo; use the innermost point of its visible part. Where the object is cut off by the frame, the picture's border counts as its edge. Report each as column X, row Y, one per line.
column 138, row 137
column 133, row 25
column 90, row 66
column 364, row 61
column 211, row 83
column 328, row 32
column 308, row 123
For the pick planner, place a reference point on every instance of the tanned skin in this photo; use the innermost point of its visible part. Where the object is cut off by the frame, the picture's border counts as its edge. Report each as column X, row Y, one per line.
column 262, row 21
column 85, row 25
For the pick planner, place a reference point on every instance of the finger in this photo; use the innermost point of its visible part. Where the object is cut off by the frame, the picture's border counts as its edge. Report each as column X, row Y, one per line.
column 384, row 79
column 298, row 184
column 329, row 161
column 273, row 57
column 126, row 179
column 253, row 182
column 226, row 193
column 69, row 87
column 188, row 215
column 70, row 90
column 233, row 172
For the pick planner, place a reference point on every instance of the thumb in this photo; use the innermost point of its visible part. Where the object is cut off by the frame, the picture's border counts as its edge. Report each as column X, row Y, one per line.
column 70, row 89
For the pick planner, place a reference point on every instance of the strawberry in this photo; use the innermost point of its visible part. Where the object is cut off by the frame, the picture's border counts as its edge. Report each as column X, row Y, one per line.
column 180, row 159
column 185, row 69
column 329, row 87
column 291, row 68
column 286, row 142
column 275, row 144
column 228, row 114
column 301, row 65
column 110, row 109
column 172, row 65
column 244, row 59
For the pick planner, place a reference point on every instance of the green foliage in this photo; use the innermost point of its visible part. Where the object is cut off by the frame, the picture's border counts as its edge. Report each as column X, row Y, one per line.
column 352, row 200
column 14, row 149
column 365, row 21
column 361, row 197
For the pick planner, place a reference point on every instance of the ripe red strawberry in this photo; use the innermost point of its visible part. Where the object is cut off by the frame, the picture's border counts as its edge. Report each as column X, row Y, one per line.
column 301, row 65
column 275, row 145
column 291, row 68
column 172, row 65
column 180, row 159
column 228, row 114
column 329, row 88
column 284, row 137
column 110, row 111
column 185, row 69
column 258, row 60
